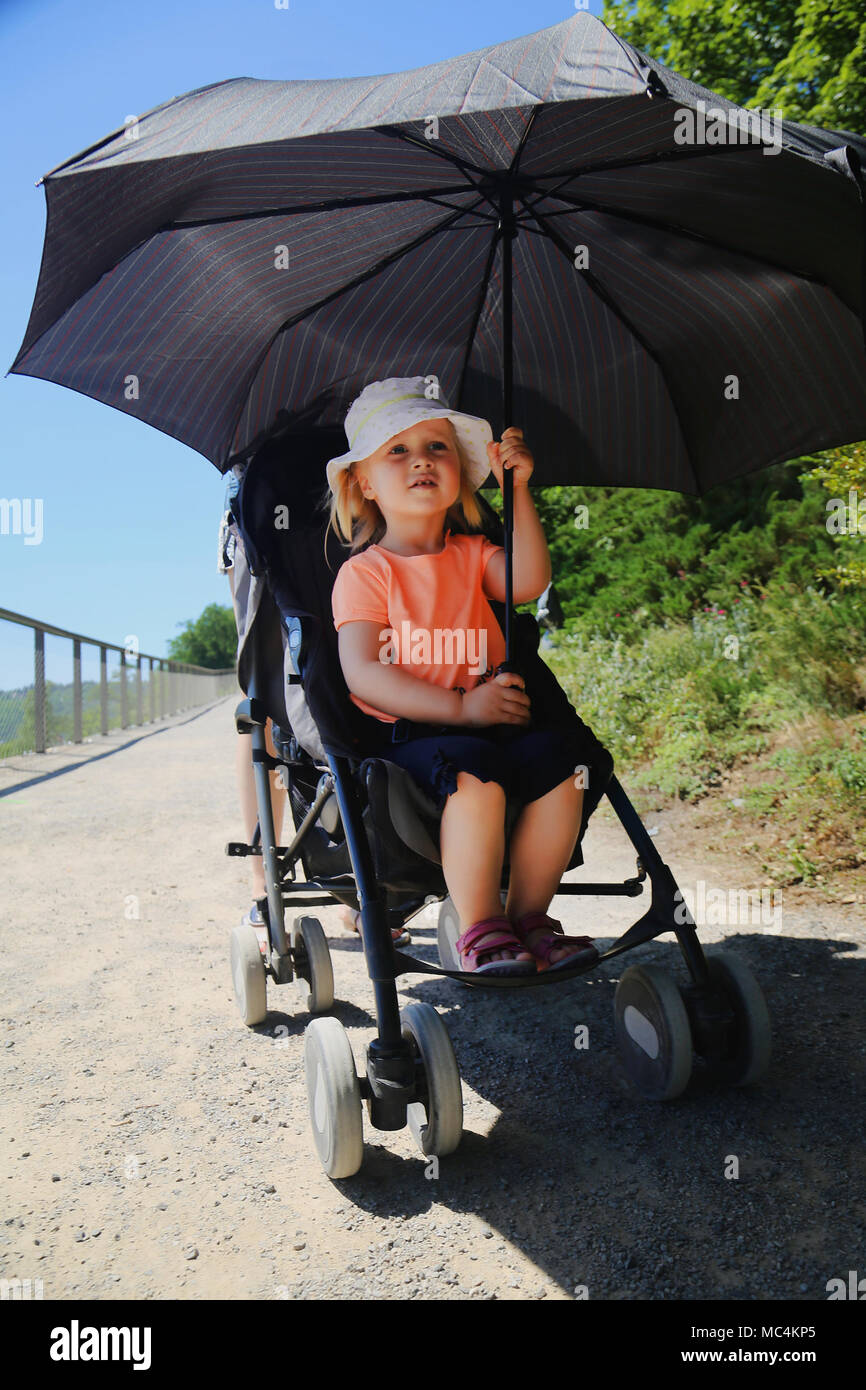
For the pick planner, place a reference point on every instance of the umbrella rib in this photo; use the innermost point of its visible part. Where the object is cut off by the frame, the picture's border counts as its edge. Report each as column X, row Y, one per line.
column 326, row 205
column 485, row 216
column 464, row 165
column 375, row 269
column 476, row 317
column 605, row 296
column 344, row 289
column 658, row 157
column 590, row 205
column 523, row 139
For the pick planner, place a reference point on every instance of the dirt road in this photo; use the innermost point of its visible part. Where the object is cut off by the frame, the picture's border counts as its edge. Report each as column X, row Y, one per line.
column 153, row 1147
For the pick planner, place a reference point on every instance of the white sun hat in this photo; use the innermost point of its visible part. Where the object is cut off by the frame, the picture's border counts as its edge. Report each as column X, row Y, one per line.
column 386, row 408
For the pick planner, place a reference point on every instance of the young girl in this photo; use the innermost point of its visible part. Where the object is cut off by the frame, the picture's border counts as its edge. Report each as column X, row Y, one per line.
column 419, row 646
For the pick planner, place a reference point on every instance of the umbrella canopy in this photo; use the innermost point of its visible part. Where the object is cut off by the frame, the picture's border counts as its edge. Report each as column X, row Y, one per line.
column 682, row 313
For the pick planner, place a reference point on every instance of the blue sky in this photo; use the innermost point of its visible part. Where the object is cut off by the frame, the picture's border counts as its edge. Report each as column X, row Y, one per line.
column 130, row 516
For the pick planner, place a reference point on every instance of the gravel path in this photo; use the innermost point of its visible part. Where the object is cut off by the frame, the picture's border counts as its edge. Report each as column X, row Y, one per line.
column 155, row 1148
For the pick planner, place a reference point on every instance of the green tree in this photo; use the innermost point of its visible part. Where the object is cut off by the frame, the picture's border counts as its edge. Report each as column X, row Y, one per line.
column 210, row 640
column 822, row 79
column 806, row 58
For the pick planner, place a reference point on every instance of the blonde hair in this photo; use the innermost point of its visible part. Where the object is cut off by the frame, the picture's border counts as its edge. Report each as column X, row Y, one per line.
column 356, row 519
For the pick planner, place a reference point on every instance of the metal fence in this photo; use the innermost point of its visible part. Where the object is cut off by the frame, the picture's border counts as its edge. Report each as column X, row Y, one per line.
column 90, row 687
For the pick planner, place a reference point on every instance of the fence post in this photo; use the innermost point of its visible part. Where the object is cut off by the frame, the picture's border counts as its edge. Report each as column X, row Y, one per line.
column 123, row 719
column 103, row 690
column 76, row 691
column 39, row 689
column 152, row 692
column 139, row 712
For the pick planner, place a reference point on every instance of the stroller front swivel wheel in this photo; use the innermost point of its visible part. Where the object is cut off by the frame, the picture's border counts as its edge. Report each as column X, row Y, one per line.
column 653, row 1032
column 248, row 976
column 334, row 1097
column 436, row 1120
column 312, row 960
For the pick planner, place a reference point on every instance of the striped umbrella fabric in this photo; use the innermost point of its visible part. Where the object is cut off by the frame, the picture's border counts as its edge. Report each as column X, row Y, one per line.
column 685, row 309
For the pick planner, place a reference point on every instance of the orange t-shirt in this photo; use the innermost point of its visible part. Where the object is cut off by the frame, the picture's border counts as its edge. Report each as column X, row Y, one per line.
column 433, row 613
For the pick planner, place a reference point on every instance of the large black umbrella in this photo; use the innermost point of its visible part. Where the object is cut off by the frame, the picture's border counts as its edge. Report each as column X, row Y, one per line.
column 558, row 227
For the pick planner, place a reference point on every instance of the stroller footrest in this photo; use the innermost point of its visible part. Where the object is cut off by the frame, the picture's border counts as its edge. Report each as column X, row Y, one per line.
column 236, row 849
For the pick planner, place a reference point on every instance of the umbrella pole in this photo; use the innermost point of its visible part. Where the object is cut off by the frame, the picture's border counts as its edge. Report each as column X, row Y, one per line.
column 507, row 231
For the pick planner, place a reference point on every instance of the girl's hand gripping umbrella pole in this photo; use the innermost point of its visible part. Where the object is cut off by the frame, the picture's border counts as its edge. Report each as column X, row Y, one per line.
column 512, row 464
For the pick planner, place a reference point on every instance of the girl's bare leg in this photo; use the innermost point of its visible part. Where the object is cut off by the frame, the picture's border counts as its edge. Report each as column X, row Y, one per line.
column 472, row 844
column 542, row 843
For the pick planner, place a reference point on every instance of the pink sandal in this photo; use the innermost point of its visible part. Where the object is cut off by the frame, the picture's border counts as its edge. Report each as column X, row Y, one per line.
column 501, row 935
column 554, row 940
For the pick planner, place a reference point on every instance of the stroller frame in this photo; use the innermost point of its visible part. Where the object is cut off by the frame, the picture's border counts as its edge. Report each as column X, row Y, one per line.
column 368, row 838
column 392, row 1081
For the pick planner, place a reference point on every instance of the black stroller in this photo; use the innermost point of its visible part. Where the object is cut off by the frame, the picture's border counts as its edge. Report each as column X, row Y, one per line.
column 368, row 837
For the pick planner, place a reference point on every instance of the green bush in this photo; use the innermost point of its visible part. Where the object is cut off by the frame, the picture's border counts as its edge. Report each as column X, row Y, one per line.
column 680, row 703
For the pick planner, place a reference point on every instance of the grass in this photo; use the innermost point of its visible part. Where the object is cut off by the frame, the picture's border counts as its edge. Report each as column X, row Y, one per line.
column 773, row 681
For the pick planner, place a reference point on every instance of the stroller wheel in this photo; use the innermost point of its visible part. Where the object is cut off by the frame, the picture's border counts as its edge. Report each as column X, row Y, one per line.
column 749, row 1053
column 334, row 1097
column 653, row 1032
column 248, row 976
column 312, row 960
column 436, row 1121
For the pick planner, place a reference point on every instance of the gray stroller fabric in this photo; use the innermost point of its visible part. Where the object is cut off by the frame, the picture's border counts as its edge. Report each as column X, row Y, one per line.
column 254, row 606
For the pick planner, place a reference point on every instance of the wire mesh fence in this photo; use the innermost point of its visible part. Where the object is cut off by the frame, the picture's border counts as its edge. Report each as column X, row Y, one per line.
column 79, row 687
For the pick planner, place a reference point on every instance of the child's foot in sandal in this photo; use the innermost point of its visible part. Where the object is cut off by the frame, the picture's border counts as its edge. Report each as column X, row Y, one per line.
column 255, row 920
column 493, row 938
column 544, row 937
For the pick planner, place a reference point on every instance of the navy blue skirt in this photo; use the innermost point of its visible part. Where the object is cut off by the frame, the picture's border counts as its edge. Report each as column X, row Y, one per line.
column 527, row 763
